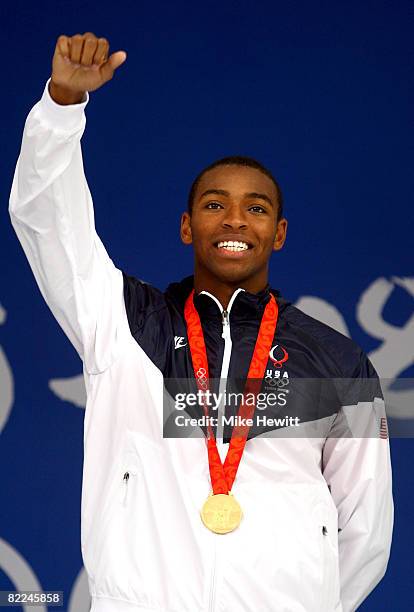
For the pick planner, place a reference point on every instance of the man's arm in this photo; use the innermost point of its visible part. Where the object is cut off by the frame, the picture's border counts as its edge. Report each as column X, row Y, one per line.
column 51, row 210
column 358, row 472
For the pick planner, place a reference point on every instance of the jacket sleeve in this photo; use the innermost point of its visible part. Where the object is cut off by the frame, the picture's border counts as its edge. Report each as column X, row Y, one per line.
column 51, row 211
column 357, row 468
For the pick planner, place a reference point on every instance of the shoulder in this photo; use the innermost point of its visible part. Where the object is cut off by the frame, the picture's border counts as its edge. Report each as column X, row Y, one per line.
column 141, row 300
column 347, row 356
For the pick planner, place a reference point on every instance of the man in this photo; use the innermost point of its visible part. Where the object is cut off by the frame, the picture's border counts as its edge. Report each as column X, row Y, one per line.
column 290, row 522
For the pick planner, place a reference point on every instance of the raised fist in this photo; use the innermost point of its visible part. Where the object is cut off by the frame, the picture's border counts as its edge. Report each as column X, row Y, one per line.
column 80, row 64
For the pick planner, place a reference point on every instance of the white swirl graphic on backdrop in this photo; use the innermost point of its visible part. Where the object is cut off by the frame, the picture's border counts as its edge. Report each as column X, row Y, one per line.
column 80, row 600
column 70, row 389
column 396, row 353
column 323, row 311
column 19, row 573
column 6, row 381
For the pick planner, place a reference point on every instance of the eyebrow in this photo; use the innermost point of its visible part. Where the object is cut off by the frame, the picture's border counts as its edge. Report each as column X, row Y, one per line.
column 251, row 194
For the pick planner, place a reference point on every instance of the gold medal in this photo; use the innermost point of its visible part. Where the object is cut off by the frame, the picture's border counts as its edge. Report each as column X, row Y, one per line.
column 221, row 513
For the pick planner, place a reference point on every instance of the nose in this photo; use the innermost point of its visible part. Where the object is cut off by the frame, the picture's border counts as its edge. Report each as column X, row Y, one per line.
column 234, row 218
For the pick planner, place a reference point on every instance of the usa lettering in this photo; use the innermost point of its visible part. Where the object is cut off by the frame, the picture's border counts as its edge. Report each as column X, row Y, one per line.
column 276, row 374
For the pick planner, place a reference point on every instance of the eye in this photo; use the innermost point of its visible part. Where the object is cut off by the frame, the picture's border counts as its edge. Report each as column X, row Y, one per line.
column 213, row 205
column 257, row 208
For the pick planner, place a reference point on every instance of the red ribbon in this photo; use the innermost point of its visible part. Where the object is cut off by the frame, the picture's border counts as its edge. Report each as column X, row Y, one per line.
column 222, row 476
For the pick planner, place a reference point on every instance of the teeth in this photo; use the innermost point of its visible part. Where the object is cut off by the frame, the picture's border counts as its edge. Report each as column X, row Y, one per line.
column 233, row 245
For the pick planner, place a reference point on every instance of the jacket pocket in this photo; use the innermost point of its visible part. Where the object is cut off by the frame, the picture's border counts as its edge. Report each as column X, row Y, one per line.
column 327, row 573
column 327, row 534
column 130, row 472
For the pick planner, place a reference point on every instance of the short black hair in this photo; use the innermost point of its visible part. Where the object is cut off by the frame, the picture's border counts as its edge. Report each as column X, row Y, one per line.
column 236, row 160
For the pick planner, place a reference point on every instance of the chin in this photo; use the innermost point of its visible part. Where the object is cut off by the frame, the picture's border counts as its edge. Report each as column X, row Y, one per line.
column 232, row 276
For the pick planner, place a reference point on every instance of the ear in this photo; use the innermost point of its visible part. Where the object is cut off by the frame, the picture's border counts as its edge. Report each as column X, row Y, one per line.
column 280, row 236
column 185, row 230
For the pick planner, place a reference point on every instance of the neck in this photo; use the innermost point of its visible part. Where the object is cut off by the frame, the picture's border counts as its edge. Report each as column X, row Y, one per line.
column 223, row 290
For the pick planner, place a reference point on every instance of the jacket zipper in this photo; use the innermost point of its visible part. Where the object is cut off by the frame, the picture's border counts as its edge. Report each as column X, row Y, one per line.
column 125, row 480
column 226, row 330
column 227, row 343
column 326, row 595
column 223, row 384
column 227, row 351
column 213, row 579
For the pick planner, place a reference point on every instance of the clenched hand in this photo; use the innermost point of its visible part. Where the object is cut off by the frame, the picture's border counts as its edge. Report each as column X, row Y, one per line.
column 80, row 64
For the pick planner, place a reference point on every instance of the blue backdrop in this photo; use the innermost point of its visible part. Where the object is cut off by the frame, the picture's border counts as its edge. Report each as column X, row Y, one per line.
column 321, row 93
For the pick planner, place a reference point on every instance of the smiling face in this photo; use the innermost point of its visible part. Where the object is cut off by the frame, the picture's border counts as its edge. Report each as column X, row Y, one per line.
column 233, row 204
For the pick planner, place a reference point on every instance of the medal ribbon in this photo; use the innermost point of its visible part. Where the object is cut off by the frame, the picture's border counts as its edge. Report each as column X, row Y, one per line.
column 222, row 476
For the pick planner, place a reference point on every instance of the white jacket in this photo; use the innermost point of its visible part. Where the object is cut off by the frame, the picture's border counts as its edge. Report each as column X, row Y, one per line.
column 301, row 547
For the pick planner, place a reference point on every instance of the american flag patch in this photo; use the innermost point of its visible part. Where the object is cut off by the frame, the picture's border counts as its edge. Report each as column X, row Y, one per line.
column 383, row 429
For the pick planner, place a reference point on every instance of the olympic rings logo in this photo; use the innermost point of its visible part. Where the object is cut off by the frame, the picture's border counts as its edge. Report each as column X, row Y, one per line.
column 202, row 378
column 277, row 382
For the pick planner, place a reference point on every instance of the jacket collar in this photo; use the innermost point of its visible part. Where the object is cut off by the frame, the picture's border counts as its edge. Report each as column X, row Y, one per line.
column 243, row 304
